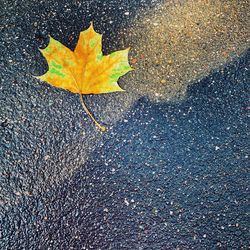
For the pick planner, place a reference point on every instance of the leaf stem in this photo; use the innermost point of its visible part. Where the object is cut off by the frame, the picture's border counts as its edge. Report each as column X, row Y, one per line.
column 102, row 128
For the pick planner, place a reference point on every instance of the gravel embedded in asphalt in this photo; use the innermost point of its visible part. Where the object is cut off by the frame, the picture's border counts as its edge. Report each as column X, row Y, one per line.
column 167, row 175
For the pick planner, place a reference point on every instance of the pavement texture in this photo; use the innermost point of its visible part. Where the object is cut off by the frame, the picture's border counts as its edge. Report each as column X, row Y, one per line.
column 172, row 172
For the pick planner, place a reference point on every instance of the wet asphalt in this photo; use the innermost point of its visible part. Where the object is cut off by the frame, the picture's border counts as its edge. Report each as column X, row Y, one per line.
column 168, row 175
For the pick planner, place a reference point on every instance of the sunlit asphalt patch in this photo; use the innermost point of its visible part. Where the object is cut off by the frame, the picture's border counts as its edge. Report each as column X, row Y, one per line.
column 174, row 45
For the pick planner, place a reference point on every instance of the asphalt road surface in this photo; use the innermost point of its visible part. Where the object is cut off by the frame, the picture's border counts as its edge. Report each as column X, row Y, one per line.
column 172, row 172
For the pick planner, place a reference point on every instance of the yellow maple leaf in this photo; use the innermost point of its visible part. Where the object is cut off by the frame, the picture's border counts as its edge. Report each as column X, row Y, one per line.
column 85, row 70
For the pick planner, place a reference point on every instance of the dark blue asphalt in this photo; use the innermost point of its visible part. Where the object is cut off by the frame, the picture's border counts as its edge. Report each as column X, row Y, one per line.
column 174, row 176
column 167, row 176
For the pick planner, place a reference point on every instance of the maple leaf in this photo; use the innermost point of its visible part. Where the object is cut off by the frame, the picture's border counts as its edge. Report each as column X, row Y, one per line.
column 85, row 70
